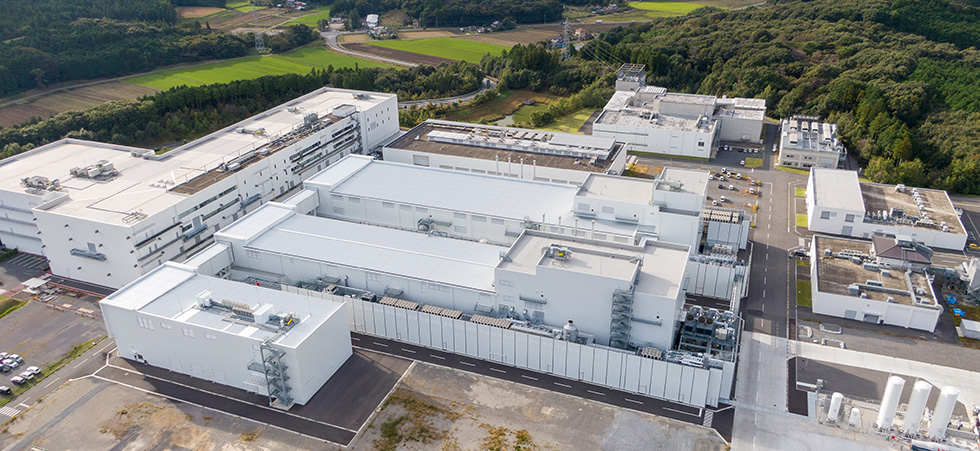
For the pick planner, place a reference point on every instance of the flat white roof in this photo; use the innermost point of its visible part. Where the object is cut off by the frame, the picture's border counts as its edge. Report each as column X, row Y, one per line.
column 836, row 188
column 170, row 291
column 445, row 261
column 623, row 189
column 691, row 180
column 144, row 184
column 660, row 273
column 478, row 194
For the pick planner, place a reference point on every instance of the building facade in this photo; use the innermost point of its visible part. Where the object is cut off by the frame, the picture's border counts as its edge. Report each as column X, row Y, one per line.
column 264, row 341
column 807, row 142
column 106, row 214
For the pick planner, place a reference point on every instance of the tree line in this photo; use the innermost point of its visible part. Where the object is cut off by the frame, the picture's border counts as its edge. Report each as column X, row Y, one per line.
column 189, row 112
column 455, row 13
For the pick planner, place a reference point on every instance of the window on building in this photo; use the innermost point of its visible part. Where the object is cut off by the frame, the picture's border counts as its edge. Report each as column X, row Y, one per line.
column 253, row 254
column 166, row 325
column 583, row 207
column 338, row 210
column 210, row 336
column 373, row 277
column 506, row 283
column 479, row 218
column 405, row 207
column 608, row 210
column 144, row 323
column 336, row 197
column 421, row 210
column 426, row 286
column 849, row 218
column 188, row 332
column 508, row 298
column 388, row 204
column 354, row 200
column 459, row 229
column 459, row 215
column 497, row 221
column 824, row 215
column 598, row 236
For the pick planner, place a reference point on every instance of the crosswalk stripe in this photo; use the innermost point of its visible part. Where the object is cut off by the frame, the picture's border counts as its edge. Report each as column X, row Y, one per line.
column 709, row 416
column 8, row 411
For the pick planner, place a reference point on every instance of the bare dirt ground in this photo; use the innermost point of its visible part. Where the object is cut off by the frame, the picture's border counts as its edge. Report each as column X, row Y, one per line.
column 354, row 38
column 95, row 414
column 398, row 54
column 440, row 408
column 71, row 99
column 412, row 35
column 185, row 12
column 512, row 38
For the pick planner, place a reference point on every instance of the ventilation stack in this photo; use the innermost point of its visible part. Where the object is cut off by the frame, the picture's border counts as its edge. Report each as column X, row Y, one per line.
column 893, row 392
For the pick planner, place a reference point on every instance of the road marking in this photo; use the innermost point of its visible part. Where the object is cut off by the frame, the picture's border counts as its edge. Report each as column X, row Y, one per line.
column 763, row 295
column 681, row 411
column 767, row 256
column 437, row 356
column 763, row 280
column 497, row 370
column 408, row 350
column 53, row 381
column 23, row 405
column 81, row 363
column 103, row 348
column 467, row 363
column 633, row 401
column 529, row 377
column 8, row 411
column 596, row 393
column 355, row 338
column 563, row 385
column 381, row 344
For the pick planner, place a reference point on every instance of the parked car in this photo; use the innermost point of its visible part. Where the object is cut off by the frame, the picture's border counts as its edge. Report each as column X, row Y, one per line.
column 6, row 390
column 3, row 355
column 742, row 162
column 33, row 370
column 722, row 198
column 18, row 380
column 731, row 187
column 16, row 358
column 721, row 186
column 11, row 363
column 714, row 202
column 27, row 375
column 800, row 252
column 4, row 368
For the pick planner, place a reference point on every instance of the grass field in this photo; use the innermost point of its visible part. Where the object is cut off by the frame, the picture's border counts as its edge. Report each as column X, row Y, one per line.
column 803, row 294
column 9, row 305
column 753, row 162
column 457, row 49
column 507, row 103
column 295, row 62
column 800, row 192
column 801, row 219
column 676, row 8
column 312, row 19
column 570, row 123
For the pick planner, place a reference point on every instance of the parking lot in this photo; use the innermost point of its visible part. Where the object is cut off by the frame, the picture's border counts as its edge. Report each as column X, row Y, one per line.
column 19, row 268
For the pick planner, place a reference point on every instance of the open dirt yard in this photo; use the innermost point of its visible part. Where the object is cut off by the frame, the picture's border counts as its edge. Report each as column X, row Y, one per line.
column 353, row 38
column 70, row 99
column 96, row 414
column 410, row 35
column 398, row 54
column 513, row 37
column 440, row 408
column 185, row 12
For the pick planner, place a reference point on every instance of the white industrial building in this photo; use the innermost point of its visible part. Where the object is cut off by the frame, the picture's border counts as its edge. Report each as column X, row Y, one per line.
column 542, row 278
column 849, row 281
column 838, row 203
column 106, row 214
column 606, row 208
column 807, row 142
column 650, row 119
column 264, row 341
column 513, row 152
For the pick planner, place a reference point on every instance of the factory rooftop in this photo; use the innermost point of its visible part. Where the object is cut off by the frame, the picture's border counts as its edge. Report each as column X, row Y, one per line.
column 839, row 274
column 937, row 209
column 640, row 191
column 278, row 229
column 656, row 268
column 464, row 192
column 809, row 134
column 533, row 147
column 170, row 292
column 149, row 183
column 833, row 188
column 635, row 117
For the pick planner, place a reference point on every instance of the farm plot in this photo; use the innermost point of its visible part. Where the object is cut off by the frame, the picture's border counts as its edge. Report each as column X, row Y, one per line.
column 70, row 99
column 452, row 48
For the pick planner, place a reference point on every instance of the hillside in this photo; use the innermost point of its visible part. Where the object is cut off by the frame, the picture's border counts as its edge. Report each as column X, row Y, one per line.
column 902, row 79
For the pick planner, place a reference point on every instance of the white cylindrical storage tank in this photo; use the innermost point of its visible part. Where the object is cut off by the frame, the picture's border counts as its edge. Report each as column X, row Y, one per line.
column 855, row 416
column 917, row 403
column 571, row 331
column 893, row 392
column 942, row 412
column 835, row 401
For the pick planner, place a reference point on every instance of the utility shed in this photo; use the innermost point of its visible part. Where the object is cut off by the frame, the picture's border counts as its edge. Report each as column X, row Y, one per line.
column 268, row 342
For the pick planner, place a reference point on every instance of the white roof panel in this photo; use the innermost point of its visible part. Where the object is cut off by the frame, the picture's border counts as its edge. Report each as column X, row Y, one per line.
column 413, row 255
column 586, row 141
column 837, row 188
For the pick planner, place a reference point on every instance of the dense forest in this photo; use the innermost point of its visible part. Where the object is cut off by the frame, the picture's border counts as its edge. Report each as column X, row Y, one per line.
column 901, row 79
column 189, row 112
column 458, row 13
column 52, row 41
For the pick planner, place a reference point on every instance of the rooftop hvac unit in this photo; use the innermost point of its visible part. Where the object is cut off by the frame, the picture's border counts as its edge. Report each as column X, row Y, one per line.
column 864, row 295
column 890, row 300
column 886, row 273
column 874, row 283
column 828, row 252
column 853, row 289
column 857, row 260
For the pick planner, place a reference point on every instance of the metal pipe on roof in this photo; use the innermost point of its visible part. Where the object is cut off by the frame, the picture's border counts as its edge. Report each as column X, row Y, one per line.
column 522, row 168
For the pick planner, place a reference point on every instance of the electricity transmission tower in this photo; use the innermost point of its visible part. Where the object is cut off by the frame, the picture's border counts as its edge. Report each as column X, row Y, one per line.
column 259, row 42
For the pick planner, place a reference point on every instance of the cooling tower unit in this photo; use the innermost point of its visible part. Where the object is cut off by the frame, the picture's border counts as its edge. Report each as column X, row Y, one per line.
column 893, row 392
